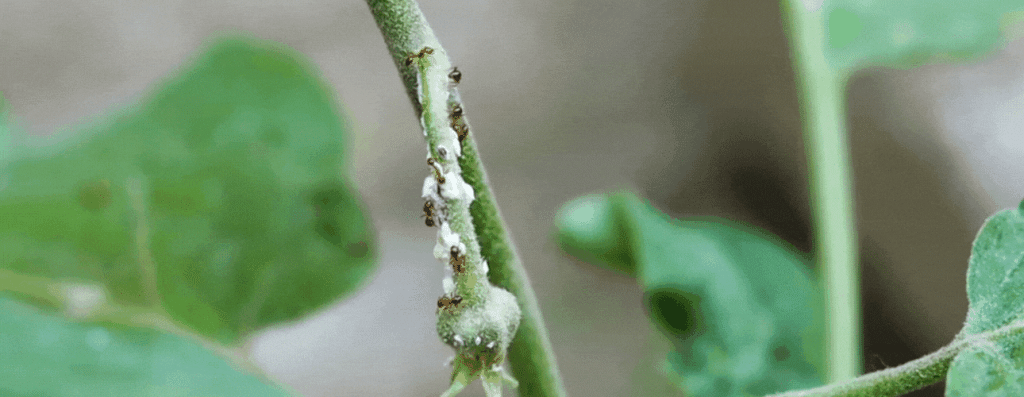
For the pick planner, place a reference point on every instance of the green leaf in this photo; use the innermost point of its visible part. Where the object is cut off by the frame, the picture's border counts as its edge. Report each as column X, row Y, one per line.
column 589, row 229
column 739, row 304
column 221, row 197
column 985, row 372
column 46, row 355
column 909, row 33
column 995, row 290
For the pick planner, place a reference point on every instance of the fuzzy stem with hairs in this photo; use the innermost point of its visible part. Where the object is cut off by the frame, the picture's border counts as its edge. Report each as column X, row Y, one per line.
column 911, row 376
column 532, row 359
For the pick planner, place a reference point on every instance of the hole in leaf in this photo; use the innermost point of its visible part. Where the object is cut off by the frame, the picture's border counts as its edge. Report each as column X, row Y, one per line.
column 675, row 312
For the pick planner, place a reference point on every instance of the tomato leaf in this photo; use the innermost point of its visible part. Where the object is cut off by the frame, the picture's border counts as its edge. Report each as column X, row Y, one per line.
column 47, row 355
column 739, row 304
column 995, row 290
column 220, row 198
column 905, row 34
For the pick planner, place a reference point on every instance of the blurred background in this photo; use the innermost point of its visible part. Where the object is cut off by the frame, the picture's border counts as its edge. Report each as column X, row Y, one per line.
column 690, row 103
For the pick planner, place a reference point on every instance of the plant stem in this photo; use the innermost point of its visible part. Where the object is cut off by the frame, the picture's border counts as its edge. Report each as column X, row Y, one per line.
column 405, row 32
column 912, row 375
column 831, row 188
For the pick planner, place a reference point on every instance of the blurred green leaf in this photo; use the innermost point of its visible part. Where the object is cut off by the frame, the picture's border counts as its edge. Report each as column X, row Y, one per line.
column 222, row 197
column 739, row 303
column 909, row 33
column 589, row 229
column 46, row 355
column 995, row 289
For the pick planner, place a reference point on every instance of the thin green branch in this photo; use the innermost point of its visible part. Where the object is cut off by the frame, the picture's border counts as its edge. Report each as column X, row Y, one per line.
column 822, row 105
column 912, row 375
column 406, row 32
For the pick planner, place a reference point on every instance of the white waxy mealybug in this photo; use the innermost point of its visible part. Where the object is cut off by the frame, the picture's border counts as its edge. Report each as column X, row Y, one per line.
column 445, row 240
column 458, row 189
column 430, row 191
column 450, row 139
column 447, row 236
column 468, row 189
column 448, row 285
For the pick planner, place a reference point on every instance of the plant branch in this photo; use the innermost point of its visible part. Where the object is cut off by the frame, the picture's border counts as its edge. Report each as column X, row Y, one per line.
column 912, row 375
column 406, row 32
column 822, row 105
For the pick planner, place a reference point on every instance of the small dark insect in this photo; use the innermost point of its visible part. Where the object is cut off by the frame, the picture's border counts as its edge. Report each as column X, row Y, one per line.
column 447, row 303
column 442, row 152
column 428, row 211
column 456, row 111
column 424, row 51
column 460, row 129
column 458, row 261
column 455, row 75
column 437, row 169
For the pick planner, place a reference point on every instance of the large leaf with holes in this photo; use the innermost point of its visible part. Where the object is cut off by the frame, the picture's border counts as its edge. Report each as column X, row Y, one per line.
column 47, row 355
column 221, row 197
column 995, row 289
column 739, row 303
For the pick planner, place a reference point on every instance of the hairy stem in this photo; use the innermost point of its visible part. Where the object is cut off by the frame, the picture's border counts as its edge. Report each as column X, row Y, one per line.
column 912, row 375
column 822, row 106
column 406, row 32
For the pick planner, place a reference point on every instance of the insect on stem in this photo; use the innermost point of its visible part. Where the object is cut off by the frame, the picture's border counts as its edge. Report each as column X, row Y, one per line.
column 437, row 169
column 455, row 75
column 429, row 213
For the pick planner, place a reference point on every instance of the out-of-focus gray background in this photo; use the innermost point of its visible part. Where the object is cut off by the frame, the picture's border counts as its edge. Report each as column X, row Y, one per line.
column 690, row 103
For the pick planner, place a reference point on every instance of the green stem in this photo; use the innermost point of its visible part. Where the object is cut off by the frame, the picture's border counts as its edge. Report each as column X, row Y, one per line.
column 910, row 376
column 406, row 32
column 831, row 188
